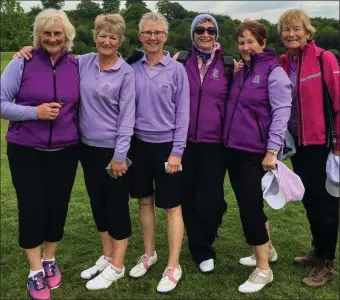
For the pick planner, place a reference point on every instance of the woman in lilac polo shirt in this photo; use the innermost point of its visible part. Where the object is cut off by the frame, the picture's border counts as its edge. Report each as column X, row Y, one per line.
column 42, row 143
column 257, row 113
column 162, row 119
column 106, row 119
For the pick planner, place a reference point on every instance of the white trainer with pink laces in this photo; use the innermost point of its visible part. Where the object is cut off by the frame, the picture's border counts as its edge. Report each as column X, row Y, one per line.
column 143, row 265
column 170, row 279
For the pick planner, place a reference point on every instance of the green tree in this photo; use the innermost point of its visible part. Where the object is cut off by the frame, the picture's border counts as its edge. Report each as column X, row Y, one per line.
column 134, row 13
column 170, row 10
column 57, row 4
column 14, row 26
column 129, row 3
column 111, row 6
column 88, row 9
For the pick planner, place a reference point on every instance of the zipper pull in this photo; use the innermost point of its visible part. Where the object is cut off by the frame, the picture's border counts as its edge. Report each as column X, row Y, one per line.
column 54, row 72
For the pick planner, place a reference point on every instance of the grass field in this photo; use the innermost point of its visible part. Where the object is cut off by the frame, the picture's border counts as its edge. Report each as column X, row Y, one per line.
column 80, row 248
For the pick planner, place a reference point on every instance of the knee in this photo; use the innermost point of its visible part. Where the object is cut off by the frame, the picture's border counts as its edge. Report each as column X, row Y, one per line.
column 145, row 203
column 174, row 211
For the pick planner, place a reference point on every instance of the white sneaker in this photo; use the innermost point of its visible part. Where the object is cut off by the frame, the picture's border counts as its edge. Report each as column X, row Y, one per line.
column 104, row 279
column 256, row 281
column 143, row 265
column 251, row 260
column 207, row 265
column 99, row 266
column 170, row 279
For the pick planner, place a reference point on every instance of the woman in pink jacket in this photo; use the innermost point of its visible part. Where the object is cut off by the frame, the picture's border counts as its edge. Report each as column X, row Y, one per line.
column 308, row 127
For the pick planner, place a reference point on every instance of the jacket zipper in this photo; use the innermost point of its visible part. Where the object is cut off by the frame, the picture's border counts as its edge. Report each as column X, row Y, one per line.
column 258, row 125
column 299, row 102
column 54, row 100
column 200, row 94
column 238, row 96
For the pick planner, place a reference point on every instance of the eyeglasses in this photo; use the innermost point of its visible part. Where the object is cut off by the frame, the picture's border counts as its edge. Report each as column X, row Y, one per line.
column 157, row 34
column 199, row 30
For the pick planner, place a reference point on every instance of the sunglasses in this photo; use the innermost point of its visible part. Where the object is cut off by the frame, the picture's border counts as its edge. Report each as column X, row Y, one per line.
column 199, row 30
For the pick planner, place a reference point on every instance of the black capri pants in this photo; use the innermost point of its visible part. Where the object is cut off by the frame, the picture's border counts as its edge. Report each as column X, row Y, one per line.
column 43, row 182
column 202, row 196
column 245, row 174
column 109, row 197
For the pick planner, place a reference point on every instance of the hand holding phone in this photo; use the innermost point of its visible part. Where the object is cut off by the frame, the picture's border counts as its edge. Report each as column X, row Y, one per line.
column 117, row 169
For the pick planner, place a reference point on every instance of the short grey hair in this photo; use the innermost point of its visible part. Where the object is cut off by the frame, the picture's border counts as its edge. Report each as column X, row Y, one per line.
column 45, row 20
column 154, row 16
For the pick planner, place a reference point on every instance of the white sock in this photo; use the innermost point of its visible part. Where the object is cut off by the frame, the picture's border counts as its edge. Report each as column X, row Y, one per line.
column 117, row 270
column 33, row 273
column 51, row 259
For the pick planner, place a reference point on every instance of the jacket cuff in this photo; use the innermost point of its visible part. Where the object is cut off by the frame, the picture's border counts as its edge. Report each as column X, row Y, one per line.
column 120, row 157
column 273, row 146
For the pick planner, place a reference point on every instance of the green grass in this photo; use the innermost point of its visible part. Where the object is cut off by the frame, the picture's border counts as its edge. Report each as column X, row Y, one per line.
column 81, row 247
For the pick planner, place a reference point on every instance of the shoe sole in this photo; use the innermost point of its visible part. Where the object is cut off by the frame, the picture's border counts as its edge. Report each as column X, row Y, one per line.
column 55, row 287
column 267, row 285
column 330, row 278
column 29, row 295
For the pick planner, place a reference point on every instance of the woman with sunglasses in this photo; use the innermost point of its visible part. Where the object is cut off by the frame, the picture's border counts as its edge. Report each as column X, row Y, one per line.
column 202, row 193
column 257, row 113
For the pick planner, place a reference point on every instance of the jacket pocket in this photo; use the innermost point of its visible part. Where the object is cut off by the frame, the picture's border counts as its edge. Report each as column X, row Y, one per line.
column 18, row 127
column 258, row 124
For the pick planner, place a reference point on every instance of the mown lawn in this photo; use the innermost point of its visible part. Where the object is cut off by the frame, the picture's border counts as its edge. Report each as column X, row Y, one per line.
column 80, row 248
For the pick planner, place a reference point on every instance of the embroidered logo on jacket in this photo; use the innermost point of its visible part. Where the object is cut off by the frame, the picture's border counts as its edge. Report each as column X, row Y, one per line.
column 257, row 79
column 215, row 74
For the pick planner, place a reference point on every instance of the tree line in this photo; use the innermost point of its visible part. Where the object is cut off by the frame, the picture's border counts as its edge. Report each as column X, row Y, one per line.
column 16, row 26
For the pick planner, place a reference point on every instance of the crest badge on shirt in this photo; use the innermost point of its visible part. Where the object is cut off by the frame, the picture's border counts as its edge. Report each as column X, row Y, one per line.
column 216, row 74
column 164, row 88
column 105, row 89
column 257, row 79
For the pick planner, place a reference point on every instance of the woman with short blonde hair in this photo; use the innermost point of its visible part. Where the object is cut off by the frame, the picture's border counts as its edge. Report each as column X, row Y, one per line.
column 43, row 131
column 45, row 21
column 313, row 71
column 113, row 23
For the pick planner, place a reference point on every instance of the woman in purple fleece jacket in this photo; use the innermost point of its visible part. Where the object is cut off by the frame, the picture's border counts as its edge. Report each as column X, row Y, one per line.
column 257, row 112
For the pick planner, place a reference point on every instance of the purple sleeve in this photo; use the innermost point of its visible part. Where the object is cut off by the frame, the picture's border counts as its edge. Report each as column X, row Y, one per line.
column 10, row 85
column 182, row 112
column 126, row 118
column 280, row 97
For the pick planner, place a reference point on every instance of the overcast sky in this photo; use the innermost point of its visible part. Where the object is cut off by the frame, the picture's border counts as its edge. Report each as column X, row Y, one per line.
column 241, row 10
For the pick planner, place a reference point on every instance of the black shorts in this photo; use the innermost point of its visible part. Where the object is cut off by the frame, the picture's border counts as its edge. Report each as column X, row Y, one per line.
column 109, row 197
column 43, row 182
column 147, row 173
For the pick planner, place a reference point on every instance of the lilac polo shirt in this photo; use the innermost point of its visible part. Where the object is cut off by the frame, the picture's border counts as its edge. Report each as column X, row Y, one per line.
column 107, row 109
column 162, row 102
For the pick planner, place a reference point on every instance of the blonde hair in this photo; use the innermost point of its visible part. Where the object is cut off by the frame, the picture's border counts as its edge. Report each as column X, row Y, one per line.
column 112, row 23
column 292, row 15
column 44, row 21
column 154, row 16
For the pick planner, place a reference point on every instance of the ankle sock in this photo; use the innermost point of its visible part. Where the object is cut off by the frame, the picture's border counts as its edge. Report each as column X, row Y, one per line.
column 50, row 259
column 33, row 273
column 117, row 270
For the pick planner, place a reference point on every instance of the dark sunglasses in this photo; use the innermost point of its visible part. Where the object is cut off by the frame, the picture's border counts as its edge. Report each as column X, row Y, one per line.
column 199, row 30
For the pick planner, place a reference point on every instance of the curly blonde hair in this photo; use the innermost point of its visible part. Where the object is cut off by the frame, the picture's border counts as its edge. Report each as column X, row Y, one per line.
column 112, row 23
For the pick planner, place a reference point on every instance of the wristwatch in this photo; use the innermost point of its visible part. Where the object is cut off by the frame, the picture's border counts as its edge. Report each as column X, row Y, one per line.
column 274, row 152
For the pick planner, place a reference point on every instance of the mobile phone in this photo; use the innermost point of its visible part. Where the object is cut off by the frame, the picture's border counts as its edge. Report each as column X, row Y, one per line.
column 110, row 172
column 166, row 166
